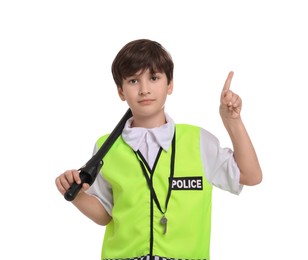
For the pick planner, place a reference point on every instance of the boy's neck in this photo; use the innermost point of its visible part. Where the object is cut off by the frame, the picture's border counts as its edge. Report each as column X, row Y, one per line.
column 149, row 122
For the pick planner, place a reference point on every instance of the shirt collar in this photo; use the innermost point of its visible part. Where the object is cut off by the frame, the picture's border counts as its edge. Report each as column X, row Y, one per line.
column 135, row 136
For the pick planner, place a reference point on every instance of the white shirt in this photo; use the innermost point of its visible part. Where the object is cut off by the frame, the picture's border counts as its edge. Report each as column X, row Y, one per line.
column 220, row 168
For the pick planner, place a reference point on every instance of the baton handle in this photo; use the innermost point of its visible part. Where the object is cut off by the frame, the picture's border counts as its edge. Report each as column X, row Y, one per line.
column 71, row 193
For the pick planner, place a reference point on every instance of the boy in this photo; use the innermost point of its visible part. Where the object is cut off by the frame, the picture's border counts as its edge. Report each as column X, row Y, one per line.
column 154, row 189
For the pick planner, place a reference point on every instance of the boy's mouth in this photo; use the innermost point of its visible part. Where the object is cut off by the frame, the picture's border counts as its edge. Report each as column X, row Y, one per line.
column 146, row 101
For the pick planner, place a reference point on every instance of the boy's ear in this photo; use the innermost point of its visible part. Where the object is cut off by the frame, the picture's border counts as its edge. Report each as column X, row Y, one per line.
column 170, row 87
column 121, row 94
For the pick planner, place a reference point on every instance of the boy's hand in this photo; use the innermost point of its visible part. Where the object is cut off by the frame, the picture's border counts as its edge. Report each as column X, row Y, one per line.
column 66, row 179
column 230, row 103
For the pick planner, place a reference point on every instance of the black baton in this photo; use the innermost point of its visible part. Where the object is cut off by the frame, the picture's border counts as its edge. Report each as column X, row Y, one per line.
column 90, row 170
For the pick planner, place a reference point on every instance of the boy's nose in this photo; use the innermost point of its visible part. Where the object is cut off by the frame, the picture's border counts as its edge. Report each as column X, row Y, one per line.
column 144, row 89
column 143, row 93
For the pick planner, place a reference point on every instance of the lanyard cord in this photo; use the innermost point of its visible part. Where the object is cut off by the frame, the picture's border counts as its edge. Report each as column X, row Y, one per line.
column 149, row 181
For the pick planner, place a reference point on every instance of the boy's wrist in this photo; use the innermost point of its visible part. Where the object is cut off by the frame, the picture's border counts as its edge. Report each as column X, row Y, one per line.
column 233, row 124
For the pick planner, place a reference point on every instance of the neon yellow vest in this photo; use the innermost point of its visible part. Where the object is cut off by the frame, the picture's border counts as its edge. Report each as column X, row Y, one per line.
column 135, row 230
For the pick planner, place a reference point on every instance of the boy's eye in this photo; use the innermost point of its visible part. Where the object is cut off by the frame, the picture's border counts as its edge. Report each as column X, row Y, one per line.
column 154, row 78
column 133, row 81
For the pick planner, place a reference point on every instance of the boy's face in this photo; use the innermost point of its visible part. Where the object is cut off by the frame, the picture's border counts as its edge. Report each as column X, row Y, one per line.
column 146, row 93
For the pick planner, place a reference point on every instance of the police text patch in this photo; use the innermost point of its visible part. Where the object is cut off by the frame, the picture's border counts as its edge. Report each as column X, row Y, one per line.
column 186, row 183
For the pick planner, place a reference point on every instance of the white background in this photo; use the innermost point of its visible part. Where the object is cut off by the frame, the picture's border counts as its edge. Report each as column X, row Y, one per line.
column 57, row 96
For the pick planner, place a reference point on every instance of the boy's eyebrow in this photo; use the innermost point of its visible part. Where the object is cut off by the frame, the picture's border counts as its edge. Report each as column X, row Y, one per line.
column 136, row 74
column 133, row 76
column 139, row 73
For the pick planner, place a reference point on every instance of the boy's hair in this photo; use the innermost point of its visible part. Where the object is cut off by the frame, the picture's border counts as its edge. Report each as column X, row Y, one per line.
column 140, row 55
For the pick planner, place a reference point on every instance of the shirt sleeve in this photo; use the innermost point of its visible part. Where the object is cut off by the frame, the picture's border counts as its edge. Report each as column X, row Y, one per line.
column 102, row 190
column 219, row 165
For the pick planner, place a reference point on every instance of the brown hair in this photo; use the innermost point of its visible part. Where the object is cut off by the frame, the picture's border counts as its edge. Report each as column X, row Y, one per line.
column 140, row 55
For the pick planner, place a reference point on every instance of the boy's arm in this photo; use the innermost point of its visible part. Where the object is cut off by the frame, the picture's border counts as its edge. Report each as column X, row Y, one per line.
column 92, row 208
column 244, row 152
column 87, row 204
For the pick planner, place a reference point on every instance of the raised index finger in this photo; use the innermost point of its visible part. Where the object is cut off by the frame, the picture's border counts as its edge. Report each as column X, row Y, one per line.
column 228, row 82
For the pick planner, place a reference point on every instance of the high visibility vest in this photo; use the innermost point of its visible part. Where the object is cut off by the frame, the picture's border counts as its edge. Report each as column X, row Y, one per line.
column 135, row 231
